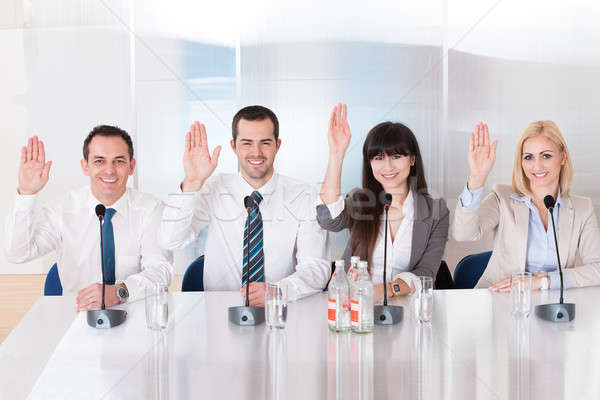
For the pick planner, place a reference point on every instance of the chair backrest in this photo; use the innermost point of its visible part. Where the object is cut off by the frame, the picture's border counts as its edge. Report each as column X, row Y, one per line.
column 443, row 279
column 52, row 286
column 193, row 279
column 469, row 270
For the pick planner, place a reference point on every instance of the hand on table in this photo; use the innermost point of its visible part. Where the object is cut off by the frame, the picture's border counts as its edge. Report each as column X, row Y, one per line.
column 378, row 290
column 90, row 298
column 504, row 284
column 256, row 293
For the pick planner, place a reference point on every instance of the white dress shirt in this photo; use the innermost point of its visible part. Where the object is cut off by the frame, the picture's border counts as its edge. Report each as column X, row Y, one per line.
column 399, row 251
column 71, row 228
column 295, row 247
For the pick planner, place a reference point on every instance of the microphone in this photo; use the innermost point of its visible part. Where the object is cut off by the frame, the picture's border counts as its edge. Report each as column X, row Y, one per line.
column 558, row 312
column 387, row 202
column 248, row 204
column 246, row 315
column 104, row 318
column 387, row 315
column 100, row 211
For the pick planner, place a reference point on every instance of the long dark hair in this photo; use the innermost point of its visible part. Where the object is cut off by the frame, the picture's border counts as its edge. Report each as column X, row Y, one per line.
column 385, row 138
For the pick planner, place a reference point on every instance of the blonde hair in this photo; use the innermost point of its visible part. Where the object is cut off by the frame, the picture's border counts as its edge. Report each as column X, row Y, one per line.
column 520, row 183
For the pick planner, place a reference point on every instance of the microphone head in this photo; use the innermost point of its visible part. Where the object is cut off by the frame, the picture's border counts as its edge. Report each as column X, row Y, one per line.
column 248, row 202
column 100, row 210
column 549, row 202
column 387, row 200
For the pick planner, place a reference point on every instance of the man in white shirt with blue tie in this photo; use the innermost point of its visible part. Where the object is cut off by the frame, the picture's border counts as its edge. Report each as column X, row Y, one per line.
column 133, row 258
column 286, row 243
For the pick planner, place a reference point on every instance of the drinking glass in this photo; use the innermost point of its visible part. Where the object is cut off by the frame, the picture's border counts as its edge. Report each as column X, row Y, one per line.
column 157, row 306
column 275, row 305
column 520, row 293
column 423, row 298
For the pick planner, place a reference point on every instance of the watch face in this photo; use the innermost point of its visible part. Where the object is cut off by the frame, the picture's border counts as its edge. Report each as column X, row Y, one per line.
column 122, row 293
column 396, row 287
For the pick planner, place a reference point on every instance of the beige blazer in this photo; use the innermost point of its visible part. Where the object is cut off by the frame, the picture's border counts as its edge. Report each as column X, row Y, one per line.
column 578, row 235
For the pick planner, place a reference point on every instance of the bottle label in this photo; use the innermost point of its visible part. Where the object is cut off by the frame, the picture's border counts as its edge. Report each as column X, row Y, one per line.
column 351, row 273
column 354, row 317
column 331, row 310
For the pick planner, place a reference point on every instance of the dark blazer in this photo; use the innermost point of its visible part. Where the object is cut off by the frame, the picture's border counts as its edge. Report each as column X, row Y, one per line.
column 430, row 229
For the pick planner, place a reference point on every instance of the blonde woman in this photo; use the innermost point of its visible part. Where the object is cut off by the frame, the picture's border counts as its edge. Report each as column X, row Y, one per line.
column 517, row 215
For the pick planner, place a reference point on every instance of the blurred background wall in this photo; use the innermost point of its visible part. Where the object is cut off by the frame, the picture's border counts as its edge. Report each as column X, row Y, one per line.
column 153, row 67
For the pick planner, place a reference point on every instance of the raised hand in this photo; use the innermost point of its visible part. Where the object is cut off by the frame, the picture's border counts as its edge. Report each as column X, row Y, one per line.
column 33, row 168
column 339, row 131
column 482, row 156
column 197, row 161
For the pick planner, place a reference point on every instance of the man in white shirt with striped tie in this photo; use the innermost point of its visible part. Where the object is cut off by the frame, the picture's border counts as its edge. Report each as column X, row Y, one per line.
column 286, row 243
column 133, row 258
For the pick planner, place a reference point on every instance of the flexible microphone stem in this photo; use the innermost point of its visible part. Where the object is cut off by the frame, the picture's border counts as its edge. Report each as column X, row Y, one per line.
column 557, row 254
column 386, row 208
column 248, row 262
column 102, row 258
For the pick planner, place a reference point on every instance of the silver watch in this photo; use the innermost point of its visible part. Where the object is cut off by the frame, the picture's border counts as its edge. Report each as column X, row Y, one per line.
column 122, row 292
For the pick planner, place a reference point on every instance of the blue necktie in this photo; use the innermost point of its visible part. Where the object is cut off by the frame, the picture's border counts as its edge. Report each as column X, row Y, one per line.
column 257, row 259
column 108, row 248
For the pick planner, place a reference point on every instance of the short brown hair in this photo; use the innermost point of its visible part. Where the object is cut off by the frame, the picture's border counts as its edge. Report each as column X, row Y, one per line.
column 107, row 130
column 254, row 113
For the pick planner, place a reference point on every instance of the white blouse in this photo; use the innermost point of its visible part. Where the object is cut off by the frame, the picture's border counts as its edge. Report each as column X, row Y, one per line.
column 398, row 251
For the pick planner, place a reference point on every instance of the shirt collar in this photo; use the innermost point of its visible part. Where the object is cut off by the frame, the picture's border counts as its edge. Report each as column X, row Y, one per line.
column 408, row 207
column 265, row 190
column 527, row 200
column 121, row 206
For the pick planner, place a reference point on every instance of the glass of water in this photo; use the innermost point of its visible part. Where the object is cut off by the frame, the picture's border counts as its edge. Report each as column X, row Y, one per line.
column 520, row 293
column 423, row 298
column 275, row 305
column 157, row 306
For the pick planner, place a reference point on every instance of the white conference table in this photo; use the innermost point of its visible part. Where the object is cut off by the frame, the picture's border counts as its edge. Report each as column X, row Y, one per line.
column 472, row 349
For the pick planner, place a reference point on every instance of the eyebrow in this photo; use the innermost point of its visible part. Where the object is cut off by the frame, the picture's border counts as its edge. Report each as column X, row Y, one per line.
column 102, row 157
column 261, row 140
column 543, row 151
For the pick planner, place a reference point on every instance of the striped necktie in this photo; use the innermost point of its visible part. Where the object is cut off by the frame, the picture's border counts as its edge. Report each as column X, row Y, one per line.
column 108, row 248
column 254, row 229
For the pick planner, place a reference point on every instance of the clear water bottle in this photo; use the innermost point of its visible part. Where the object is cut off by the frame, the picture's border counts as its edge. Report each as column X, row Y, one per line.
column 362, row 301
column 353, row 270
column 338, row 313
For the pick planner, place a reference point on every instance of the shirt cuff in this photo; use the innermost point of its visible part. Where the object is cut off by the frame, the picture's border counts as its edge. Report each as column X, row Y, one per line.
column 555, row 280
column 25, row 202
column 183, row 200
column 410, row 279
column 470, row 199
column 335, row 208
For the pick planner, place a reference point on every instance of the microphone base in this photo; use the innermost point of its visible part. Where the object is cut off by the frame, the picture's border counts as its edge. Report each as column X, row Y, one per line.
column 246, row 316
column 105, row 319
column 387, row 315
column 557, row 312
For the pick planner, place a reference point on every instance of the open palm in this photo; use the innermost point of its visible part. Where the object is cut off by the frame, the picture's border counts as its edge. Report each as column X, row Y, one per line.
column 197, row 161
column 339, row 131
column 33, row 168
column 482, row 155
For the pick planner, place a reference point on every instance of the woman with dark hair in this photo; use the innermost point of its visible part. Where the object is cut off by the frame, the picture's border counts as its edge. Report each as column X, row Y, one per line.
column 418, row 224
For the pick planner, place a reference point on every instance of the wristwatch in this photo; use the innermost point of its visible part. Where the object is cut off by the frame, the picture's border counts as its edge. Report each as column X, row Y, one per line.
column 395, row 288
column 545, row 279
column 122, row 292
